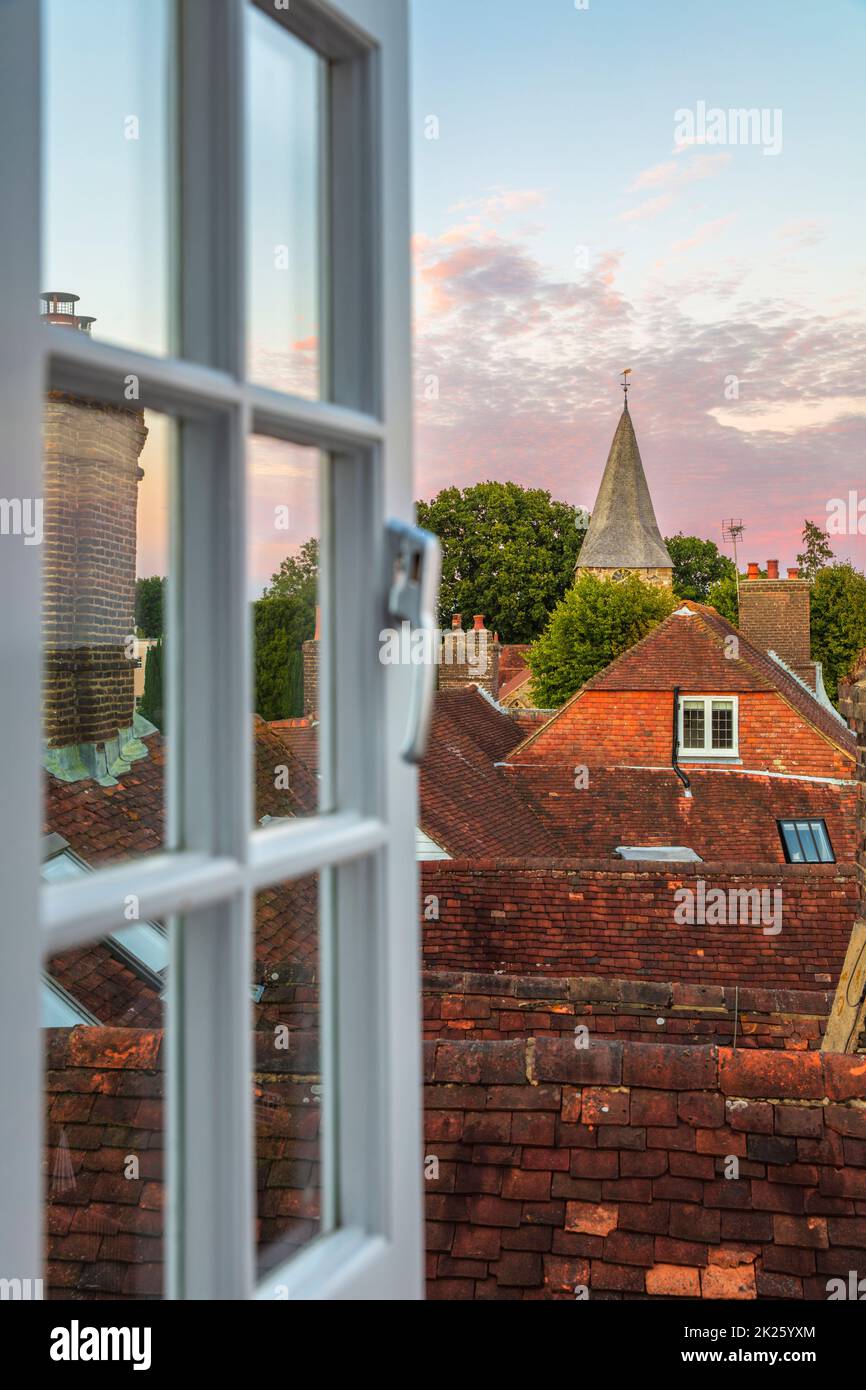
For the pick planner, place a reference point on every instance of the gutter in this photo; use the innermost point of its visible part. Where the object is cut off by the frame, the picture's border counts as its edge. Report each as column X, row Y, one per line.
column 676, row 744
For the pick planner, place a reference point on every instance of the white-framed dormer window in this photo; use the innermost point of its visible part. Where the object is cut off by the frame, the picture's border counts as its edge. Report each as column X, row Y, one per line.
column 708, row 726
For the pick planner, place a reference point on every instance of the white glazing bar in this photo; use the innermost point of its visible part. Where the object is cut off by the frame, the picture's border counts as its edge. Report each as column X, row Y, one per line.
column 20, row 624
column 86, row 367
column 302, row 847
column 211, row 1232
column 88, row 908
column 318, row 423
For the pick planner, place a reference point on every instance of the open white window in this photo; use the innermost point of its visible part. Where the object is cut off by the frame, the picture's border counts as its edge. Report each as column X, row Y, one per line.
column 223, row 205
column 708, row 727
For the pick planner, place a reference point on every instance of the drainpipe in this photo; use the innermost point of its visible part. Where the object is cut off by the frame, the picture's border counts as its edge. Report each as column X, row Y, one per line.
column 676, row 744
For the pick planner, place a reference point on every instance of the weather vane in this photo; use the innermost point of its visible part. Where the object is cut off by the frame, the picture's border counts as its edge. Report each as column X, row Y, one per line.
column 625, row 384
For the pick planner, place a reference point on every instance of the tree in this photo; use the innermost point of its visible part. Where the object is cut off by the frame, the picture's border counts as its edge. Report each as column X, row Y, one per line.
column 280, row 627
column 283, row 619
column 595, row 622
column 838, row 601
column 817, row 552
column 508, row 552
column 298, row 575
column 151, row 703
column 698, row 565
column 149, row 594
column 723, row 597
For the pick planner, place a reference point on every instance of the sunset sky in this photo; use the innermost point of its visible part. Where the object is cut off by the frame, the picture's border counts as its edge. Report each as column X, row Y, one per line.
column 561, row 235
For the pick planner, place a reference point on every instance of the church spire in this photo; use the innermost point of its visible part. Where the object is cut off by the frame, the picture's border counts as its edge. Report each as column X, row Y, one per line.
column 623, row 535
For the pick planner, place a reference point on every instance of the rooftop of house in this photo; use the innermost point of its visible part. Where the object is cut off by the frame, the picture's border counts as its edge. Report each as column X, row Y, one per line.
column 698, row 650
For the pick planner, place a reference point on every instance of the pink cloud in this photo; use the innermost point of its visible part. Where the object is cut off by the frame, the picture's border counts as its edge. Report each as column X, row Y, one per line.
column 701, row 167
column 527, row 367
column 652, row 208
column 706, row 232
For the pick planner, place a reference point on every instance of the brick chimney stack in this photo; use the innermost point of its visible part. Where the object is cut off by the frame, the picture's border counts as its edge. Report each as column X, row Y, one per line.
column 310, row 658
column 469, row 658
column 91, row 478
column 774, row 615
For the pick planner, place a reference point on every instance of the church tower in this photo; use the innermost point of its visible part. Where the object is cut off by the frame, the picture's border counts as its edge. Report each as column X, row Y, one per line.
column 623, row 536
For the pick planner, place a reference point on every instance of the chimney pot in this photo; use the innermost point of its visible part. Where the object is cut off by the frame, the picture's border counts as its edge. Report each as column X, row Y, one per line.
column 478, row 621
column 772, row 569
column 457, row 620
column 754, row 570
column 793, row 573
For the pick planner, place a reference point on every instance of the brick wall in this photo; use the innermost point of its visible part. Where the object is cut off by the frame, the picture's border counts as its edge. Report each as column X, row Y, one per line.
column 91, row 477
column 469, row 1006
column 537, row 917
column 310, row 657
column 774, row 615
column 603, row 1170
column 615, row 728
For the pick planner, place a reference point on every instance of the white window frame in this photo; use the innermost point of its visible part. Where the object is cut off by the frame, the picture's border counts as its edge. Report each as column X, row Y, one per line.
column 365, row 848
column 707, row 753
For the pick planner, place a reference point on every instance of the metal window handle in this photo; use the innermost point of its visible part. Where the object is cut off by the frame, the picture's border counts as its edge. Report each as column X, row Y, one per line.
column 415, row 561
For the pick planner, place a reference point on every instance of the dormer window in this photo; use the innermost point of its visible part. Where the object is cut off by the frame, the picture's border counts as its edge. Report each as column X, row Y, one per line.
column 708, row 726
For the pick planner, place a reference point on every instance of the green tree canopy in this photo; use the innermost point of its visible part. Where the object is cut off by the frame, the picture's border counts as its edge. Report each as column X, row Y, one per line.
column 283, row 619
column 698, row 565
column 723, row 597
column 817, row 551
column 297, row 576
column 149, row 605
column 151, row 702
column 838, row 621
column 508, row 552
column 595, row 622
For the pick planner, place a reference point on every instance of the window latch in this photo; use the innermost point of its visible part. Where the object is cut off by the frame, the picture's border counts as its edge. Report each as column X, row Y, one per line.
column 415, row 566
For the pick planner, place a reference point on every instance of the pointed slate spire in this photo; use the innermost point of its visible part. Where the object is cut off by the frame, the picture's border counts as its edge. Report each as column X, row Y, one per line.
column 623, row 533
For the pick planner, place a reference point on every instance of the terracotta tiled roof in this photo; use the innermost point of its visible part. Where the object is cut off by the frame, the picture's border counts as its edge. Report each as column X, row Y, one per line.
column 104, row 1089
column 108, row 987
column 104, row 824
column 730, row 815
column 512, row 660
column 689, row 651
column 468, row 806
column 301, row 736
column 514, row 683
column 105, row 1097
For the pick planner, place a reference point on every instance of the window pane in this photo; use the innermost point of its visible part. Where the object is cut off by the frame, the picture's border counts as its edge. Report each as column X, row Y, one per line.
column 108, row 145
column 288, row 1083
column 723, row 724
column 104, row 1098
column 284, row 483
column 810, row 849
column 285, row 234
column 792, row 842
column 105, row 544
column 693, row 724
column 822, row 840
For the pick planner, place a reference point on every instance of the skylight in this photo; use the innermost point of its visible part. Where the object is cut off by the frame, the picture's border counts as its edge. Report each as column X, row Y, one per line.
column 57, row 1008
column 143, row 945
column 664, row 854
column 806, row 842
